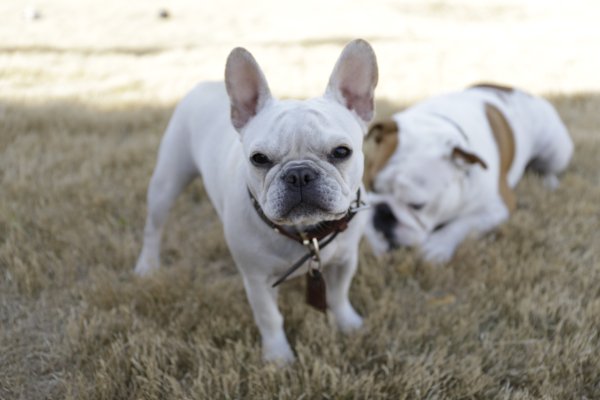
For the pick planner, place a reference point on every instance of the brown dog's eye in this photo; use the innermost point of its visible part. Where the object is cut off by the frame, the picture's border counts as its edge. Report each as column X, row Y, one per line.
column 260, row 160
column 416, row 206
column 341, row 153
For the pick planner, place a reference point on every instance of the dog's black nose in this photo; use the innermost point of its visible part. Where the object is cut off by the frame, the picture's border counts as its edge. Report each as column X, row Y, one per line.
column 300, row 176
column 384, row 220
column 383, row 212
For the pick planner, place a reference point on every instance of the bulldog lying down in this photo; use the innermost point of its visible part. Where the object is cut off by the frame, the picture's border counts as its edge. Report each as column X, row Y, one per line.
column 446, row 167
column 284, row 176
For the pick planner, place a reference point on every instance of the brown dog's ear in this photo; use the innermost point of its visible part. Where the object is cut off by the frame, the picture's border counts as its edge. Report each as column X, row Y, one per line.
column 380, row 144
column 469, row 158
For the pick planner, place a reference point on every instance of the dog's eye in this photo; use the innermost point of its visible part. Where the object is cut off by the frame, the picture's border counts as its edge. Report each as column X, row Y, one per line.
column 341, row 153
column 416, row 206
column 260, row 160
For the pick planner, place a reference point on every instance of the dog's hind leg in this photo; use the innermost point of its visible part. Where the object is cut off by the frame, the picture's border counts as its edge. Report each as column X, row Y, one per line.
column 174, row 170
column 555, row 147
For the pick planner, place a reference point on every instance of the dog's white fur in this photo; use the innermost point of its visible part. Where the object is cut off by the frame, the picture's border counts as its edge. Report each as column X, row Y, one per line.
column 201, row 139
column 465, row 196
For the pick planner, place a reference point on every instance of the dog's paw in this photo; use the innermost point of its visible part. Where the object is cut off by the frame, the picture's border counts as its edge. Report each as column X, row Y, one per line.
column 437, row 251
column 146, row 265
column 347, row 319
column 278, row 352
column 551, row 182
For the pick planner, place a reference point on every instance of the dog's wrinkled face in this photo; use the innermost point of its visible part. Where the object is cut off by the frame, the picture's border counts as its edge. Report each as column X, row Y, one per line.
column 413, row 198
column 307, row 166
column 420, row 188
column 304, row 158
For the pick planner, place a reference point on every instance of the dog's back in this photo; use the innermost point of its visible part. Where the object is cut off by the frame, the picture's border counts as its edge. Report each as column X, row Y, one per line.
column 541, row 139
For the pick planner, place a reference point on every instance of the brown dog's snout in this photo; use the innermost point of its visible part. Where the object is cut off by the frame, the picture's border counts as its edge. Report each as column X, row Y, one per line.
column 384, row 219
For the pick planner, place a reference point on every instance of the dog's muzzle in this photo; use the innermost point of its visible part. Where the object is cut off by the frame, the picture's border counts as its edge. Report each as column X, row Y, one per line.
column 385, row 221
column 302, row 190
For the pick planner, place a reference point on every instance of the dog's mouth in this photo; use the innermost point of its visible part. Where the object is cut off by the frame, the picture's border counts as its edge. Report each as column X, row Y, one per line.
column 389, row 225
column 308, row 207
column 385, row 221
column 307, row 215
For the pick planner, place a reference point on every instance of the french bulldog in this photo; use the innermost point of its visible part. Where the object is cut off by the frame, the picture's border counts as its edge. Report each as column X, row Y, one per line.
column 272, row 169
column 446, row 167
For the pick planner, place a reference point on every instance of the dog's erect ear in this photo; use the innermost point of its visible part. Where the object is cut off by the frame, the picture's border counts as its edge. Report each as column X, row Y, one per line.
column 465, row 157
column 246, row 85
column 380, row 144
column 354, row 77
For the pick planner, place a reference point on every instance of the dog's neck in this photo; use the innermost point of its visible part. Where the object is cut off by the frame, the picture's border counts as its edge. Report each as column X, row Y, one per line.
column 317, row 237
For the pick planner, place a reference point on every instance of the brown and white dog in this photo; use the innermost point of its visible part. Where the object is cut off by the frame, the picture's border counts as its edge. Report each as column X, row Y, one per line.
column 446, row 167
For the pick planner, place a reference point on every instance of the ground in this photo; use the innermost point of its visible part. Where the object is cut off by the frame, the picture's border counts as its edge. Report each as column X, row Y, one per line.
column 85, row 93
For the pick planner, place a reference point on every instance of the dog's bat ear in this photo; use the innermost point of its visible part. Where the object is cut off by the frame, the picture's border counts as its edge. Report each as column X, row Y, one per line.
column 380, row 144
column 246, row 85
column 464, row 156
column 354, row 78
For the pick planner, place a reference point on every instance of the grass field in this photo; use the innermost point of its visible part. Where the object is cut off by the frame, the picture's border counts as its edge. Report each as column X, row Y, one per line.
column 85, row 93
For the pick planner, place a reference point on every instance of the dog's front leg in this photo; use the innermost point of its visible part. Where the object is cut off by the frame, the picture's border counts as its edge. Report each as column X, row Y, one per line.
column 338, row 276
column 440, row 245
column 263, row 300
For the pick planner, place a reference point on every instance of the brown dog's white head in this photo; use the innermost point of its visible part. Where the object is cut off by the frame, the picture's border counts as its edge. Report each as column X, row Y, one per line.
column 415, row 170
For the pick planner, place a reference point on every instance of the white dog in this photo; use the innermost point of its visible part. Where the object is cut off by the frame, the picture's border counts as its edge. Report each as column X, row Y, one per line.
column 445, row 168
column 282, row 175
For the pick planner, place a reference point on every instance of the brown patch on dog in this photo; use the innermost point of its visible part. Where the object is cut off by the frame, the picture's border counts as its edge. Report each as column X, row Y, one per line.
column 506, row 148
column 381, row 142
column 500, row 91
column 468, row 157
column 501, row 88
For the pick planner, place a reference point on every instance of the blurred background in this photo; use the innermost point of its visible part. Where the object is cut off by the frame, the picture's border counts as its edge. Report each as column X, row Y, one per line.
column 154, row 51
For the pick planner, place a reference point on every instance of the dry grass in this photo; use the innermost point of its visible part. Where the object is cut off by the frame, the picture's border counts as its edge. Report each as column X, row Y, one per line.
column 86, row 93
